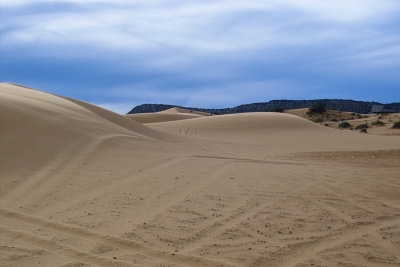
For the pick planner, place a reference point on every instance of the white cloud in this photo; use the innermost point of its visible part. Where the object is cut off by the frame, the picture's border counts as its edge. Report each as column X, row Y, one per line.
column 206, row 26
column 345, row 11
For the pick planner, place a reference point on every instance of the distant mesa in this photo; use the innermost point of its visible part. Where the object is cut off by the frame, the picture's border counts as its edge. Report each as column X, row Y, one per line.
column 381, row 109
column 330, row 104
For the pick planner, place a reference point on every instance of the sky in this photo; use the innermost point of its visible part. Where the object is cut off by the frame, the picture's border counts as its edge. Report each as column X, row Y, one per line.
column 211, row 54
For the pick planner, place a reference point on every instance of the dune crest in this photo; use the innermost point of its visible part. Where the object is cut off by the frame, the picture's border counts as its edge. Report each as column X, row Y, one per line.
column 183, row 110
column 172, row 114
column 38, row 128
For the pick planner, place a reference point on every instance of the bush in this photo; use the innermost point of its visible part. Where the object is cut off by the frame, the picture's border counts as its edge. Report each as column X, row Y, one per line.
column 277, row 109
column 378, row 122
column 317, row 107
column 362, row 126
column 333, row 119
column 396, row 125
column 318, row 120
column 344, row 124
column 363, row 130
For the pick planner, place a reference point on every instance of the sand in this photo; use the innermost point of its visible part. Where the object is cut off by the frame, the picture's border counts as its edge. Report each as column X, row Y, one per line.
column 83, row 186
column 172, row 114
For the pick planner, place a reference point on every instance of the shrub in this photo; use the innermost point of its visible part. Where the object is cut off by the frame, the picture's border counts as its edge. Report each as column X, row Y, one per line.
column 333, row 119
column 317, row 107
column 327, row 125
column 378, row 122
column 359, row 115
column 277, row 109
column 363, row 130
column 318, row 120
column 396, row 125
column 344, row 124
column 362, row 126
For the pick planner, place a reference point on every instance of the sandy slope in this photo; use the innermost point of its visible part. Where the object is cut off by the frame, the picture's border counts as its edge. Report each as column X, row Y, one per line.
column 172, row 114
column 83, row 186
column 184, row 111
column 160, row 117
column 274, row 132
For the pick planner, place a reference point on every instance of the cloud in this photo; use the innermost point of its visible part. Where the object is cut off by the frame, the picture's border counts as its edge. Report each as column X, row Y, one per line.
column 203, row 27
column 186, row 51
column 344, row 11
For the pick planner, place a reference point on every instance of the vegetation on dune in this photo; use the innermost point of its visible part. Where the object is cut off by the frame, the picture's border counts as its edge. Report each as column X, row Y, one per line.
column 378, row 123
column 362, row 126
column 277, row 109
column 363, row 130
column 344, row 124
column 317, row 107
column 396, row 125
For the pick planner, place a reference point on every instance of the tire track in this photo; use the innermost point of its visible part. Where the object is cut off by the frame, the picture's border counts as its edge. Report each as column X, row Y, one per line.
column 97, row 192
column 121, row 243
column 237, row 217
column 76, row 153
column 341, row 192
column 345, row 235
column 60, row 249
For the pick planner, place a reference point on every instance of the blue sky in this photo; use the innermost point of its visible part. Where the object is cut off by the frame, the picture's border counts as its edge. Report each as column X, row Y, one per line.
column 119, row 54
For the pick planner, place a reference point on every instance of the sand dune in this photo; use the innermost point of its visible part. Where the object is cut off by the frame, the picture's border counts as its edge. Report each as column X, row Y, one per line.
column 43, row 133
column 83, row 186
column 172, row 114
column 278, row 132
column 160, row 117
column 177, row 110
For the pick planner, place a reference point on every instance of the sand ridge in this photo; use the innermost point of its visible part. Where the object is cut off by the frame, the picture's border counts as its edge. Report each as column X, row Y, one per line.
column 160, row 117
column 172, row 114
column 177, row 110
column 83, row 186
